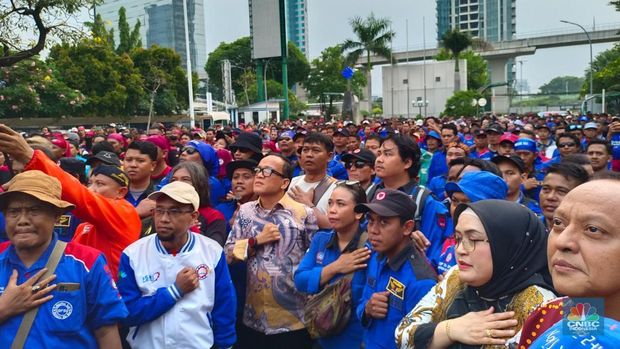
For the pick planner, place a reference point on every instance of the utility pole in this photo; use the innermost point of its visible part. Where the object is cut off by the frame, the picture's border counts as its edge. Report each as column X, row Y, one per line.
column 190, row 88
column 408, row 100
column 591, row 67
column 424, row 61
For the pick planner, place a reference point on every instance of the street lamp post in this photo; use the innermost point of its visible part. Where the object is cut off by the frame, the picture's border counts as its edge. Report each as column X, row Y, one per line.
column 589, row 41
column 190, row 90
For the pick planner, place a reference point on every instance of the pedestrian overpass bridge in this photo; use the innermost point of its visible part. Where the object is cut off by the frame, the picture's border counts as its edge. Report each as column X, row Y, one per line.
column 497, row 54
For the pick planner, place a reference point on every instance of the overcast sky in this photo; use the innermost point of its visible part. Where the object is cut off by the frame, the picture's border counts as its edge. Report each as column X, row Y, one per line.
column 328, row 24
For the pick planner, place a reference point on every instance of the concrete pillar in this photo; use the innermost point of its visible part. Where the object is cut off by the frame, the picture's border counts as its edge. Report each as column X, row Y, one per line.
column 498, row 73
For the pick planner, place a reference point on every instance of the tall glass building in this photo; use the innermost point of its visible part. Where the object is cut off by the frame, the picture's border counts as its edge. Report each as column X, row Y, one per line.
column 296, row 23
column 491, row 20
column 162, row 24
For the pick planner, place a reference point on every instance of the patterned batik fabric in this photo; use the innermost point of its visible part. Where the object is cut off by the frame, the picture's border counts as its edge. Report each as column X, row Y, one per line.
column 273, row 304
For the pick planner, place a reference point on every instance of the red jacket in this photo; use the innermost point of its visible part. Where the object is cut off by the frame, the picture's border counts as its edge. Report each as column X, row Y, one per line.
column 111, row 225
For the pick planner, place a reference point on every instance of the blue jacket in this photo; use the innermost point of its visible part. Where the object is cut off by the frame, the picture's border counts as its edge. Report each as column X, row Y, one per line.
column 336, row 169
column 531, row 204
column 539, row 174
column 487, row 155
column 324, row 250
column 3, row 236
column 438, row 165
column 85, row 299
column 434, row 223
column 408, row 278
column 66, row 225
column 438, row 186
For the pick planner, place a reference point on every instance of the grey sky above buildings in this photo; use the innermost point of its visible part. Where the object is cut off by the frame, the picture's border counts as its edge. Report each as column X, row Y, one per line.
column 227, row 20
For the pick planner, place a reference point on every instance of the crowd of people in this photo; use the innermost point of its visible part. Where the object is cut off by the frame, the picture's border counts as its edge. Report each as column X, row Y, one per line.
column 390, row 233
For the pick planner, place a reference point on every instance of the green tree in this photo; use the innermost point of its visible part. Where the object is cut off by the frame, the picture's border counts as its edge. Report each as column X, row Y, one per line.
column 456, row 42
column 99, row 32
column 111, row 83
column 274, row 90
column 239, row 53
column 32, row 88
column 477, row 67
column 128, row 40
column 373, row 36
column 298, row 67
column 562, row 84
column 616, row 4
column 606, row 71
column 326, row 75
column 163, row 78
column 460, row 104
column 27, row 25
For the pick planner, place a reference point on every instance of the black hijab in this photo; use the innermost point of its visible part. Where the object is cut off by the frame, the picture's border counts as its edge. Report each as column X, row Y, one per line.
column 518, row 247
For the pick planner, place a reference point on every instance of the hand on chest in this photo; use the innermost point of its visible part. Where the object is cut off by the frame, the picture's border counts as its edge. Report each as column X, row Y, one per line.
column 166, row 274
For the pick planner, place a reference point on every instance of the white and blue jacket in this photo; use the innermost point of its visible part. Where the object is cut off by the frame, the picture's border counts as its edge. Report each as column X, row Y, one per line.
column 161, row 316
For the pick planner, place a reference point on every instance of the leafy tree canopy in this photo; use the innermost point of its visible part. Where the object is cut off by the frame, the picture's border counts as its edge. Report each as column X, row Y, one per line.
column 606, row 67
column 562, row 84
column 163, row 79
column 239, row 53
column 112, row 85
column 477, row 67
column 27, row 25
column 326, row 75
column 33, row 88
column 460, row 104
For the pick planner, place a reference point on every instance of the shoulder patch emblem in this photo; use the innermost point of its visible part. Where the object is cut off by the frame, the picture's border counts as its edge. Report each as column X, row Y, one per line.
column 396, row 288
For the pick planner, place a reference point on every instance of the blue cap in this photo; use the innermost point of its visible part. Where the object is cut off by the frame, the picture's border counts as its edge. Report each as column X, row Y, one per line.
column 479, row 186
column 434, row 134
column 287, row 134
column 526, row 144
column 583, row 118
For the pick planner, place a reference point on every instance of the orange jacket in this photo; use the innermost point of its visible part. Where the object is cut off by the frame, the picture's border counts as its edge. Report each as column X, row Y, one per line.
column 111, row 225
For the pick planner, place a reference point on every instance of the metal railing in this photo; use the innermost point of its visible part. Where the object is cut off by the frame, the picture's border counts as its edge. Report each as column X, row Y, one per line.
column 525, row 35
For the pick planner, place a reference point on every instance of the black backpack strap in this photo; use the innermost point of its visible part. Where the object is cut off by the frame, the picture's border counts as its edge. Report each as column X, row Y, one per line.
column 419, row 194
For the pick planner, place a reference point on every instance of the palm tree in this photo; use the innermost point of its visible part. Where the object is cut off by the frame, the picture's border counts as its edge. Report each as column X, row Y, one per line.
column 456, row 42
column 373, row 37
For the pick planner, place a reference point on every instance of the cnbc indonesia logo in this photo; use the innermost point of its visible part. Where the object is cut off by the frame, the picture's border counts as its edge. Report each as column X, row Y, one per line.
column 583, row 318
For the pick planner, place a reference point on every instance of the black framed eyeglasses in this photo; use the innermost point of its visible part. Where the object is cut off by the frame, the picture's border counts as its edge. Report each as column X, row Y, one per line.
column 566, row 145
column 468, row 244
column 267, row 171
column 357, row 164
column 189, row 150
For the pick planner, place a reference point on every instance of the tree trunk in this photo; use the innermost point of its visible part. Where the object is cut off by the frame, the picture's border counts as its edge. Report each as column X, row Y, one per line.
column 457, row 75
column 369, row 82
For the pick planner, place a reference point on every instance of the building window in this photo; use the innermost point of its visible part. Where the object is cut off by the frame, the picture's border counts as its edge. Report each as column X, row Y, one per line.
column 437, row 78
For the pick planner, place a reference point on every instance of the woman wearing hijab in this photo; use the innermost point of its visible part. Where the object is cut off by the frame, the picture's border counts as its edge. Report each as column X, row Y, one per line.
column 500, row 278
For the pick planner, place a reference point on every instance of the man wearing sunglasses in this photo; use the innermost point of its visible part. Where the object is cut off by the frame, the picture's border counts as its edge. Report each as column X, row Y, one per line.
column 360, row 165
column 568, row 144
column 272, row 234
